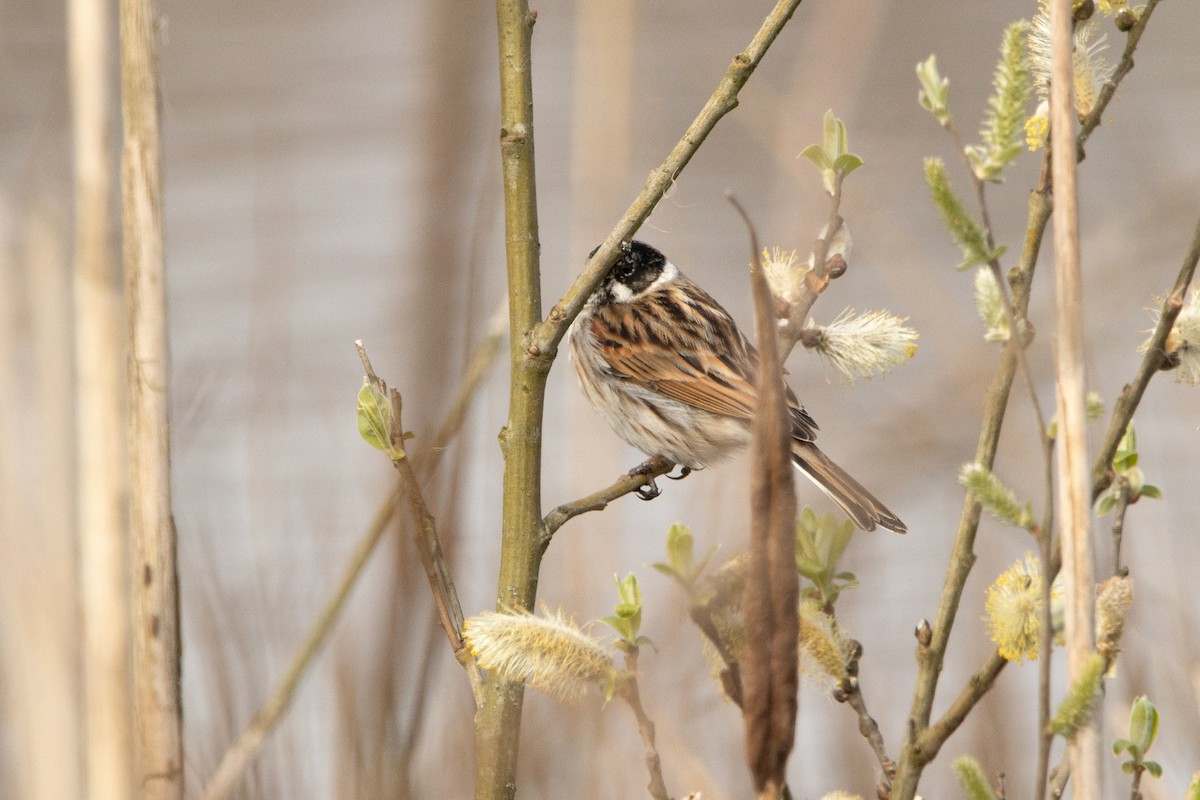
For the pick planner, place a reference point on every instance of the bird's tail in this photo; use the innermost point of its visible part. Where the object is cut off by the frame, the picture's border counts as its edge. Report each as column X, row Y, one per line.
column 857, row 502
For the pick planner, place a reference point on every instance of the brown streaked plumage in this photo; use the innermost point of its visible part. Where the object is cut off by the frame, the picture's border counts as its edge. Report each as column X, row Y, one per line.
column 668, row 368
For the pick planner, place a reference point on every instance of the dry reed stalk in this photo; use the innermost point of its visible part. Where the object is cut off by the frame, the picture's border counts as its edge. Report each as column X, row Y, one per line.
column 1074, row 497
column 100, row 424
column 156, row 643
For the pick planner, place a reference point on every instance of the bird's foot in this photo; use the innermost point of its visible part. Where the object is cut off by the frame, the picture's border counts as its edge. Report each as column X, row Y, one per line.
column 649, row 490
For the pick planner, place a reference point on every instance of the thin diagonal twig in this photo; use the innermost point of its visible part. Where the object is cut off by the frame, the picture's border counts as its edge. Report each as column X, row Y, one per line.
column 546, row 336
column 248, row 745
column 629, row 482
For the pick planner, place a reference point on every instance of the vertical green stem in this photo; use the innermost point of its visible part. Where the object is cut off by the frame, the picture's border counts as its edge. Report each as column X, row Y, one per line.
column 498, row 722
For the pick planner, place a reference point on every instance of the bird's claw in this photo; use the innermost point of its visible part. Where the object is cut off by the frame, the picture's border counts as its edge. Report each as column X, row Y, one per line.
column 648, row 490
column 683, row 473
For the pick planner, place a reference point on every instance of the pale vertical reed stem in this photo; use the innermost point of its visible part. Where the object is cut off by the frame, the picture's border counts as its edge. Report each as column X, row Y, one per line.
column 156, row 646
column 100, row 424
column 1073, row 494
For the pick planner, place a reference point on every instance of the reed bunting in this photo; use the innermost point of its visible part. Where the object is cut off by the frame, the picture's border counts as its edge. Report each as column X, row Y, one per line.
column 668, row 368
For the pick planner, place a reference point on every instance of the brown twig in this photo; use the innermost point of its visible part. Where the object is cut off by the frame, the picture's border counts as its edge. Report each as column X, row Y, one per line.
column 1118, row 526
column 597, row 501
column 816, row 280
column 849, row 691
column 1152, row 363
column 1019, row 333
column 632, row 696
column 1109, row 90
column 1045, row 642
column 1059, row 778
column 933, row 737
column 445, row 596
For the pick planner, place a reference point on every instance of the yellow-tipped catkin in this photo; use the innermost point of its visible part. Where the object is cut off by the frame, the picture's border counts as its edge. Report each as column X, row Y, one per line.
column 1014, row 609
column 549, row 652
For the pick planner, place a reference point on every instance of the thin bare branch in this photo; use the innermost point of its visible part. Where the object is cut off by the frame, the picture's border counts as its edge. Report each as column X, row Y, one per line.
column 817, row 279
column 933, row 737
column 850, row 693
column 1152, row 363
column 1109, row 90
column 597, row 501
column 545, row 338
column 632, row 696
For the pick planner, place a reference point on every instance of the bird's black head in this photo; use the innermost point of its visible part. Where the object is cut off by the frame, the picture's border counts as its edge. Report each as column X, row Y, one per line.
column 639, row 266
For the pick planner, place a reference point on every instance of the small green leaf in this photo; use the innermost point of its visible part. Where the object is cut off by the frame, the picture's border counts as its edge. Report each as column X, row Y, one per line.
column 816, row 155
column 835, row 135
column 1126, row 462
column 680, row 551
column 375, row 417
column 619, row 624
column 668, row 570
column 1154, row 768
column 1105, row 504
column 628, row 617
column 1143, row 725
column 1121, row 744
column 1153, row 492
column 847, row 163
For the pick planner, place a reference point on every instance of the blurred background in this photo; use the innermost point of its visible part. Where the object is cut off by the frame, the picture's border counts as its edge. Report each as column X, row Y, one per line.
column 332, row 173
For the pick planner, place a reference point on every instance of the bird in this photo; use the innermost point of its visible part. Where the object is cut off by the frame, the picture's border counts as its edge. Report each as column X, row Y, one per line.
column 665, row 364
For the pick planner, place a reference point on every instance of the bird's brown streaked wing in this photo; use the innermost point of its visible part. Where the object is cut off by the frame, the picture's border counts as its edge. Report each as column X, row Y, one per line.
column 718, row 382
column 684, row 377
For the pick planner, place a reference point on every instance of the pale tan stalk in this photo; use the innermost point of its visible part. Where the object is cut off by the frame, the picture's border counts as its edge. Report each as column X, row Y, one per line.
column 156, row 644
column 100, row 422
column 1074, row 499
